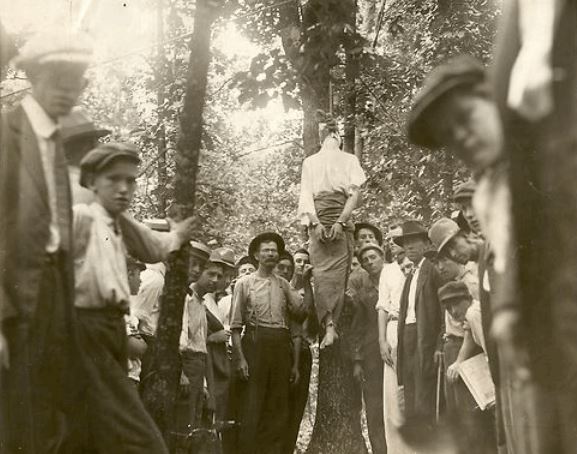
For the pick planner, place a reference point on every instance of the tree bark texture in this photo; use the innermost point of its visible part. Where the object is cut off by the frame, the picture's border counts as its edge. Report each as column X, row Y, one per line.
column 161, row 74
column 337, row 428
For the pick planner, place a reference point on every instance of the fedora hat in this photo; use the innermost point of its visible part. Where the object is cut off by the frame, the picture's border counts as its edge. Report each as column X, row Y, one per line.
column 265, row 237
column 77, row 125
column 411, row 229
column 443, row 231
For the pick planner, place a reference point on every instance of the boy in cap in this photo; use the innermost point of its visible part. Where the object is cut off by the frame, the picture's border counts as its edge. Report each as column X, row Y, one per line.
column 36, row 279
column 193, row 338
column 263, row 304
column 118, row 421
column 456, row 299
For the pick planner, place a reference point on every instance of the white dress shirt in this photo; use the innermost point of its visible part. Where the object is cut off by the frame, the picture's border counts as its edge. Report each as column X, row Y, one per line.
column 391, row 285
column 194, row 324
column 329, row 170
column 44, row 128
column 411, row 312
column 147, row 306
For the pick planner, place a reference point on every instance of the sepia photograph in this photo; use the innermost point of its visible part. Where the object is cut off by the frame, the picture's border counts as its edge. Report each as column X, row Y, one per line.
column 288, row 226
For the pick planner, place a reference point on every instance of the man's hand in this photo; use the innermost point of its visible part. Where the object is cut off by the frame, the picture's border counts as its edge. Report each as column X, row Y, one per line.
column 453, row 372
column 320, row 232
column 358, row 372
column 386, row 353
column 295, row 375
column 242, row 369
column 184, row 229
column 336, row 232
column 219, row 337
column 4, row 357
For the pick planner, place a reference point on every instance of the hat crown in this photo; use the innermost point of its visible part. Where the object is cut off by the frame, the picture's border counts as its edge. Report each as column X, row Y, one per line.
column 412, row 228
column 453, row 289
column 56, row 47
column 223, row 255
column 442, row 231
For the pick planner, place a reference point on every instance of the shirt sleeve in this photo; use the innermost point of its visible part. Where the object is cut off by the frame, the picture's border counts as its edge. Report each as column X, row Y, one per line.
column 306, row 205
column 148, row 297
column 146, row 244
column 357, row 175
column 384, row 301
column 237, row 307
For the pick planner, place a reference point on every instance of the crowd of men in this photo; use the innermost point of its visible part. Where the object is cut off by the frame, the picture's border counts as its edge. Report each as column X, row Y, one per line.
column 82, row 284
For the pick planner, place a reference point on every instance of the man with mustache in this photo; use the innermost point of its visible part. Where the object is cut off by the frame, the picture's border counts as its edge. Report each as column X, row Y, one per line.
column 263, row 303
column 39, row 381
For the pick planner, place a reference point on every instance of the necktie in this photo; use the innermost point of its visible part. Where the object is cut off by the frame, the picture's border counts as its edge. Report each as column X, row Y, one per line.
column 63, row 197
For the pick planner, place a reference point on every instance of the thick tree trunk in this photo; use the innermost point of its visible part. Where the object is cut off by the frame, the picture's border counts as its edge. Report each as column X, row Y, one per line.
column 337, row 428
column 351, row 73
column 160, row 389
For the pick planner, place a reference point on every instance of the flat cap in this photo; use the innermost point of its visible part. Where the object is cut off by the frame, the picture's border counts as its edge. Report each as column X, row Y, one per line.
column 460, row 71
column 464, row 191
column 103, row 155
column 78, row 125
column 199, row 250
column 224, row 256
column 55, row 47
column 453, row 291
column 369, row 247
column 373, row 228
column 442, row 231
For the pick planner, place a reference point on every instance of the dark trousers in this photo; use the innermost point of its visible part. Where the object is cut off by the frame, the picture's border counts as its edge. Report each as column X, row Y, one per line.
column 298, row 397
column 41, row 386
column 116, row 419
column 194, row 368
column 409, row 371
column 264, row 408
column 373, row 369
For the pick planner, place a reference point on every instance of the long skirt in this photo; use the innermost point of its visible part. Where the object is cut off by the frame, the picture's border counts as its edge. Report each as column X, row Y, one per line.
column 331, row 260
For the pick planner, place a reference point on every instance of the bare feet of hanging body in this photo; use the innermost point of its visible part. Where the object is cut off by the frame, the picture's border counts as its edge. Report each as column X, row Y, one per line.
column 331, row 336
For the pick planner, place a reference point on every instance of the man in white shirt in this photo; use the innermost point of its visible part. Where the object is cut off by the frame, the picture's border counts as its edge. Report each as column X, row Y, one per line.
column 39, row 383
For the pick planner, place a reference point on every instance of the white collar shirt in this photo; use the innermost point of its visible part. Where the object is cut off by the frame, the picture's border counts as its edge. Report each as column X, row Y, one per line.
column 411, row 311
column 44, row 128
column 391, row 285
column 194, row 324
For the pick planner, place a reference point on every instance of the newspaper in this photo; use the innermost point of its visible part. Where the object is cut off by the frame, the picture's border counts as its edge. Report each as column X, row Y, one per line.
column 476, row 375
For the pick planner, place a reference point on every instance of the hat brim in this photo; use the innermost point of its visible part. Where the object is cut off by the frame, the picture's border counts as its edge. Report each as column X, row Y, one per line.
column 418, row 130
column 223, row 263
column 399, row 240
column 258, row 239
column 446, row 241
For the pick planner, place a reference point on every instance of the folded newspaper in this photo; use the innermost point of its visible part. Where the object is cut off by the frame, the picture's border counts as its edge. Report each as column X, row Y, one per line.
column 476, row 375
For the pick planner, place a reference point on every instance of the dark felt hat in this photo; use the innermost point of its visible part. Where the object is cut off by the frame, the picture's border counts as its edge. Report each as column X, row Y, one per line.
column 365, row 225
column 244, row 260
column 101, row 156
column 460, row 71
column 453, row 291
column 411, row 229
column 266, row 237
column 464, row 191
column 78, row 125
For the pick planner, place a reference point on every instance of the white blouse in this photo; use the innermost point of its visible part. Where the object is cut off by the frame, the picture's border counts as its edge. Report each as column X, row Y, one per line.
column 329, row 170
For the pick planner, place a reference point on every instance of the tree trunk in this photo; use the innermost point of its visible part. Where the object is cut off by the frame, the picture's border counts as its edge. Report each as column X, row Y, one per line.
column 160, row 389
column 351, row 72
column 337, row 427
